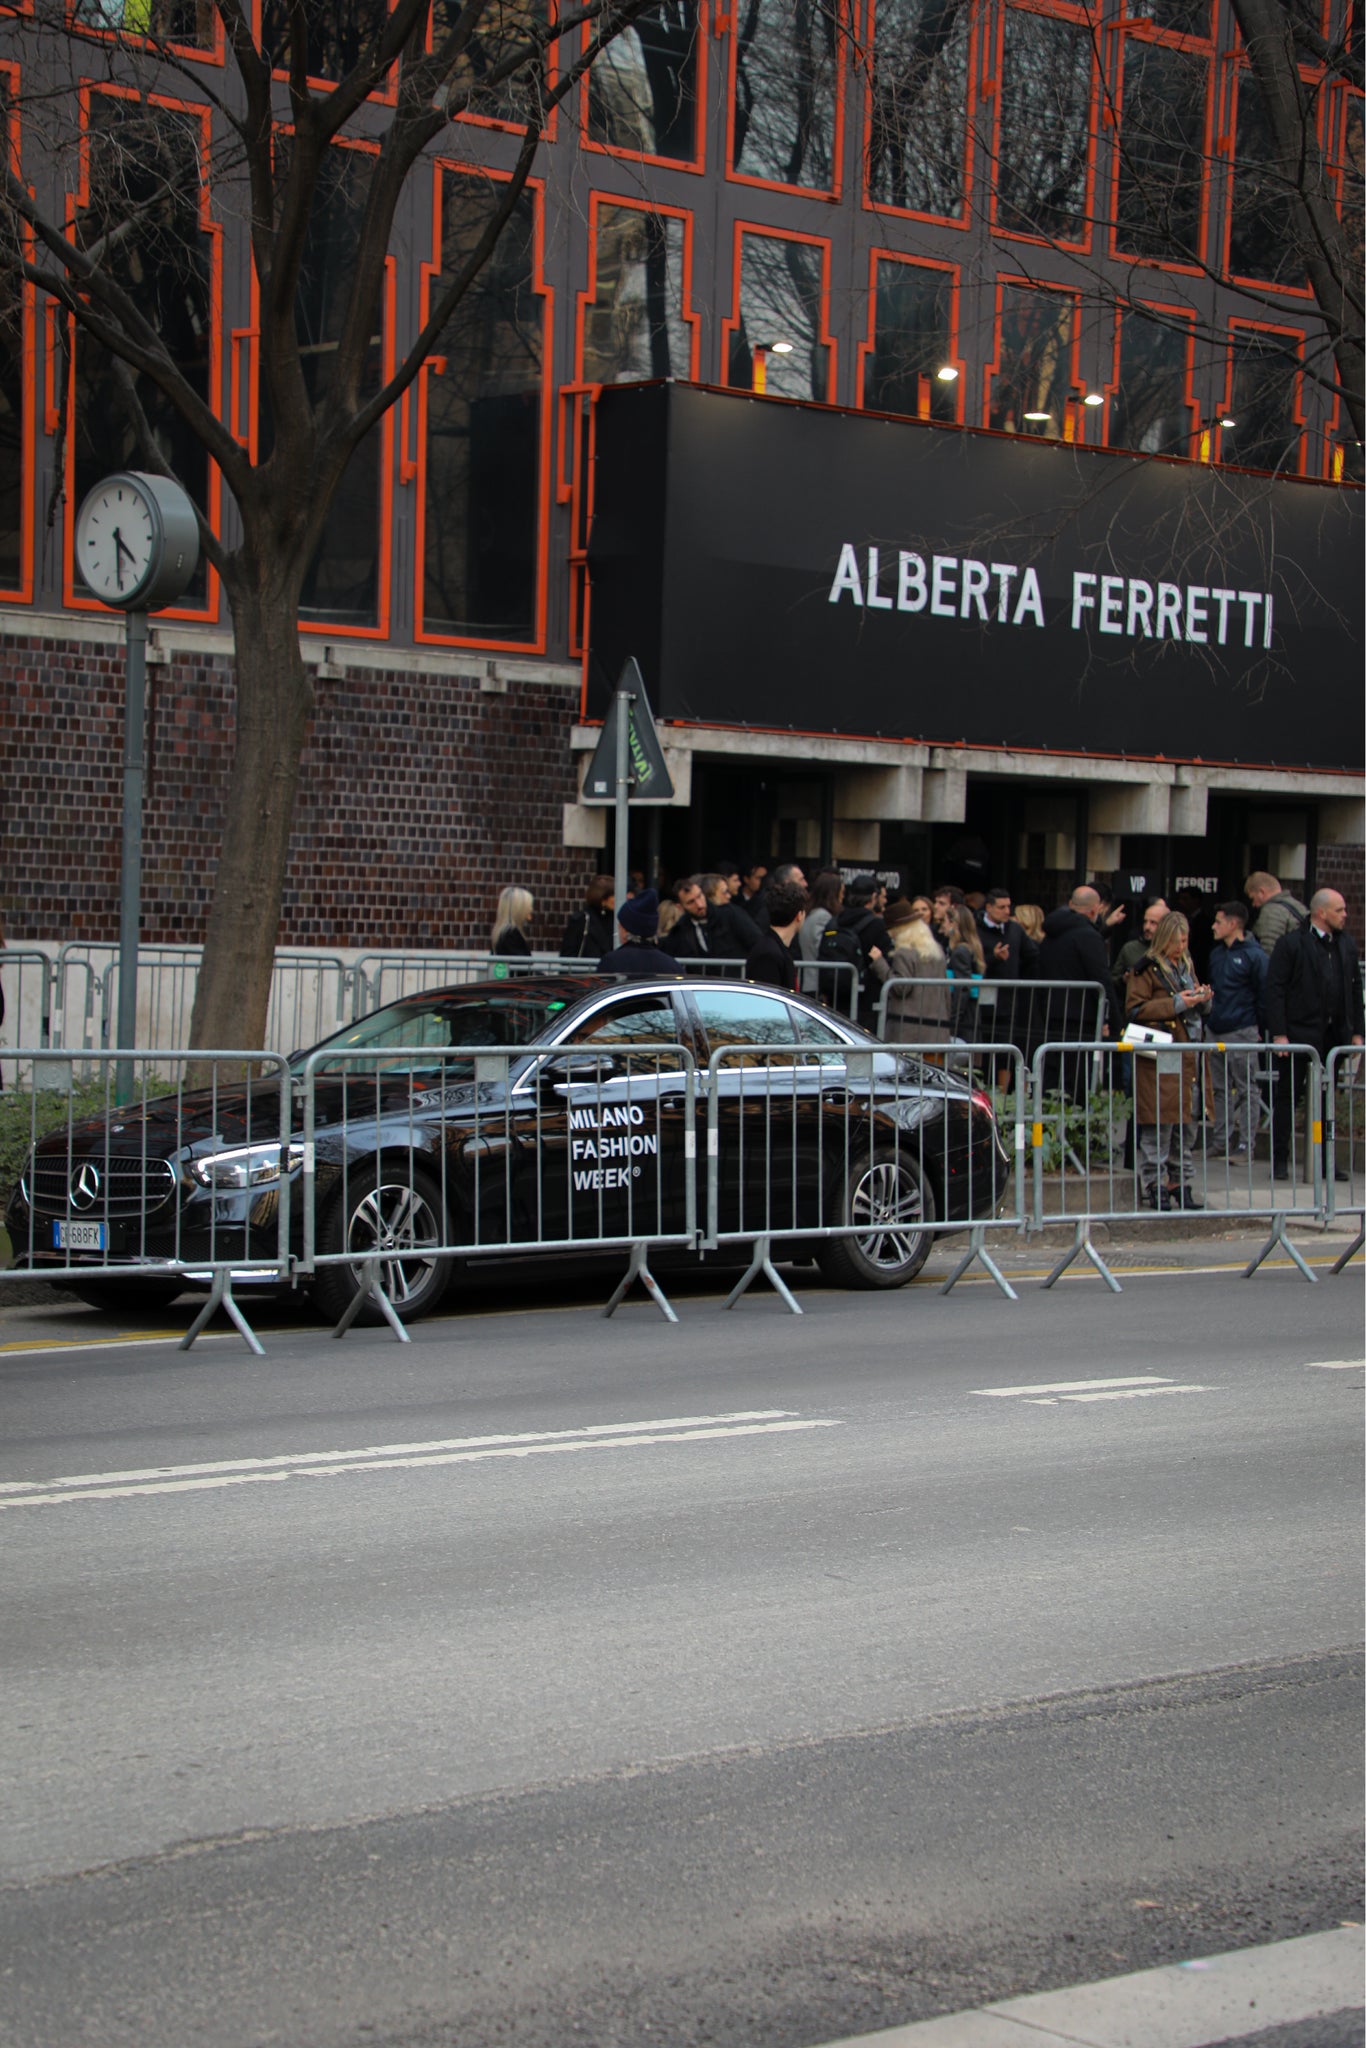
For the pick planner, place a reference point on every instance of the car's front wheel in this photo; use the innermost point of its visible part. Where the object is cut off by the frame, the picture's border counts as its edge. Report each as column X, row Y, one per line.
column 888, row 1201
column 395, row 1214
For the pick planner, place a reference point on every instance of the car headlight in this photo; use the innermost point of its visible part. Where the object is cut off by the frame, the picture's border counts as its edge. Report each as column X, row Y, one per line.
column 247, row 1166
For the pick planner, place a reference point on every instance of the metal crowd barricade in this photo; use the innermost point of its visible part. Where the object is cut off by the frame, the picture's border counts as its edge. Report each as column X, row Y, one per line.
column 26, row 987
column 1344, row 1102
column 1122, row 1133
column 971, row 1015
column 416, row 1157
column 822, row 1146
column 112, row 1201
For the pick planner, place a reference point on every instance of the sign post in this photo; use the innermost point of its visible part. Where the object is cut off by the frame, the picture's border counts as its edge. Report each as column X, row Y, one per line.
column 627, row 765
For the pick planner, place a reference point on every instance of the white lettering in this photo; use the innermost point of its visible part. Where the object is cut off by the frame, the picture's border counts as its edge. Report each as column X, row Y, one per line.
column 1223, row 598
column 1111, row 604
column 942, row 592
column 600, row 1179
column 1003, row 571
column 1266, row 629
column 1031, row 599
column 910, row 589
column 1141, row 607
column 1249, row 600
column 1082, row 599
column 976, row 577
column 846, row 576
column 1195, row 613
column 873, row 599
column 1169, row 611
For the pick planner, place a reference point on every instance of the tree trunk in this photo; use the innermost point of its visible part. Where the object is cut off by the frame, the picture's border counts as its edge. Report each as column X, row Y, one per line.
column 274, row 704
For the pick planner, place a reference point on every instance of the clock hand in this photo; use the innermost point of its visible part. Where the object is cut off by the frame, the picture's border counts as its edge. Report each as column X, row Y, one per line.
column 121, row 547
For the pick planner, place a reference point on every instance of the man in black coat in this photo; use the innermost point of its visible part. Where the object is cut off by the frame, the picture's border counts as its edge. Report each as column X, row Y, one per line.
column 588, row 933
column 772, row 958
column 638, row 957
column 1313, row 997
column 1073, row 950
column 693, row 937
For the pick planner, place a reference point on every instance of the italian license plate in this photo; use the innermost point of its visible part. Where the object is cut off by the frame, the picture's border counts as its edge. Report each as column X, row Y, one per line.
column 79, row 1237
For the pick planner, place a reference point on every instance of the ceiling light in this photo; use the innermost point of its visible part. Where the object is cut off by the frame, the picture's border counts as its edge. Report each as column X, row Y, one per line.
column 1228, row 422
column 780, row 348
column 1038, row 415
column 948, row 375
column 1094, row 398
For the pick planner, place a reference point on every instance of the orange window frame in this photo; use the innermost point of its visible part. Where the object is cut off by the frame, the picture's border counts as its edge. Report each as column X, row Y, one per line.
column 992, row 369
column 1235, row 71
column 386, row 98
column 124, row 39
column 22, row 591
column 830, row 193
column 698, row 161
column 550, row 132
column 866, row 348
column 1137, row 32
column 989, row 91
column 731, row 326
column 1297, row 414
column 89, row 91
column 414, row 465
column 972, row 93
column 1185, row 315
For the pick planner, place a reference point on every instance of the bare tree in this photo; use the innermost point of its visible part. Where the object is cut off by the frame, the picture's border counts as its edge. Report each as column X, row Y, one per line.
column 120, row 245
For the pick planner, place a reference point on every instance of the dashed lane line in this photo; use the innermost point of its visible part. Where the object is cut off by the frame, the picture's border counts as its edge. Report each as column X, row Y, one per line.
column 1125, row 1387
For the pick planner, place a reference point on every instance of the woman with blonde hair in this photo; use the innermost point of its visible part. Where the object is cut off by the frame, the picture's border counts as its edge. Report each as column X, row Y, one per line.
column 920, row 1013
column 1029, row 917
column 510, row 938
column 1163, row 991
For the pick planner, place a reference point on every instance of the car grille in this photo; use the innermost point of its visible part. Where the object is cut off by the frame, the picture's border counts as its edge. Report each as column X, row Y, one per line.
column 94, row 1186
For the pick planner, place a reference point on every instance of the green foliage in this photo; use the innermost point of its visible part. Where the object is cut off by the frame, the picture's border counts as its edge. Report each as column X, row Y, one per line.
column 1091, row 1131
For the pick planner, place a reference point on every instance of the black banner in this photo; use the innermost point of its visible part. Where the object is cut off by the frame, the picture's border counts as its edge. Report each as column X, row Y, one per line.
column 794, row 567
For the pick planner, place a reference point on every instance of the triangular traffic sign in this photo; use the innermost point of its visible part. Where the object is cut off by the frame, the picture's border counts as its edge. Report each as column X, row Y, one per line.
column 651, row 781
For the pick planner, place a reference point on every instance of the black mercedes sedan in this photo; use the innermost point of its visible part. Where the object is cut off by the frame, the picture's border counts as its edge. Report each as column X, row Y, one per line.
column 547, row 1114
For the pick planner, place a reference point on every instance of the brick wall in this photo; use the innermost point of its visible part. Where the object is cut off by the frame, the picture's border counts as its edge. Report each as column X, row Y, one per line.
column 421, row 798
column 1344, row 868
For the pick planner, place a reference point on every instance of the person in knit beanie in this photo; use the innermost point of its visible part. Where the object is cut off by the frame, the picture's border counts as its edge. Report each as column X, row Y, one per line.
column 638, row 957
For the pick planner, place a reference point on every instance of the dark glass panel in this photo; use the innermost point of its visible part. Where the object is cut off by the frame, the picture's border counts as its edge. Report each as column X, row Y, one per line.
column 1161, row 152
column 918, row 116
column 1265, row 434
column 1149, row 412
column 145, row 178
column 13, row 408
column 912, row 341
column 1034, row 362
column 187, row 22
column 1047, row 70
column 338, row 34
column 1352, row 163
column 786, row 64
column 1178, row 17
column 781, row 285
column 634, row 326
column 642, row 90
column 505, row 26
column 483, row 479
column 1262, row 241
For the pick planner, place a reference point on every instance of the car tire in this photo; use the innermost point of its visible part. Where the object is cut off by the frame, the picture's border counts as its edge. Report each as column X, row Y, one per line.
column 396, row 1210
column 124, row 1296
column 888, row 1195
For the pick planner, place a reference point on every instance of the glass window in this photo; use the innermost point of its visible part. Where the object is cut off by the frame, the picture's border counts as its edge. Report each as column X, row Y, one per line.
column 642, row 90
column 1033, row 378
column 917, row 127
column 1161, row 152
column 145, row 177
column 634, row 326
column 336, row 33
column 783, row 106
column 1149, row 412
column 1262, row 241
column 1043, row 127
column 1179, row 17
column 738, row 1017
column 782, row 289
column 502, row 26
column 14, row 407
column 342, row 584
column 912, row 342
column 1351, row 164
column 190, row 23
column 809, row 1030
column 482, row 503
column 1265, row 392
column 636, row 1020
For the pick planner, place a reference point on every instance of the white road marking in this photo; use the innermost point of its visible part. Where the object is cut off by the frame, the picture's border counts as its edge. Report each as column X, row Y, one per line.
column 1139, row 1393
column 223, row 1473
column 1336, row 1365
column 1149, row 1379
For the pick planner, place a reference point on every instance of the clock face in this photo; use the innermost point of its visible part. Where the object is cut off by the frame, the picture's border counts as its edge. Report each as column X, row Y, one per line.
column 117, row 538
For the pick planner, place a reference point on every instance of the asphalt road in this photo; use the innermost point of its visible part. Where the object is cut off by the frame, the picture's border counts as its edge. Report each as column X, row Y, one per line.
column 758, row 1680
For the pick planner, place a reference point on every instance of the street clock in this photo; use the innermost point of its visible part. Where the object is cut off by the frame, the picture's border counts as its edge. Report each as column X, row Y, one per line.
column 137, row 541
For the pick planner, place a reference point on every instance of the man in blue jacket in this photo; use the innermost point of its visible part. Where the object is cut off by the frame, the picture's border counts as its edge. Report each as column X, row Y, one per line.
column 1237, row 974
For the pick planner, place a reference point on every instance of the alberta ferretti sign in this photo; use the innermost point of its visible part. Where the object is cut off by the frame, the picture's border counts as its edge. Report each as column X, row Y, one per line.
column 796, row 567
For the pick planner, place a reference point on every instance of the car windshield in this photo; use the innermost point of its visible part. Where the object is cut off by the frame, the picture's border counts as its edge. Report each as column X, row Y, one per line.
column 436, row 1023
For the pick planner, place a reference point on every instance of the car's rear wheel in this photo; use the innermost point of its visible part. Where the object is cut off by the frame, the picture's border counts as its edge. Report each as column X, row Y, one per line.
column 394, row 1213
column 888, row 1200
column 124, row 1296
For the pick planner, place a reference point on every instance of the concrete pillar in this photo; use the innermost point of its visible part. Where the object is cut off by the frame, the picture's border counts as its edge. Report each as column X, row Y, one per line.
column 892, row 793
column 857, row 839
column 945, row 796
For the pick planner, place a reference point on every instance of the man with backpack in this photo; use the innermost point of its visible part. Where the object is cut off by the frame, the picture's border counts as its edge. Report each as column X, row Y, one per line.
column 1275, row 910
column 860, row 939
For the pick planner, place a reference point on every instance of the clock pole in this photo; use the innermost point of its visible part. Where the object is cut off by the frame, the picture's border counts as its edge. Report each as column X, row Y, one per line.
column 130, row 887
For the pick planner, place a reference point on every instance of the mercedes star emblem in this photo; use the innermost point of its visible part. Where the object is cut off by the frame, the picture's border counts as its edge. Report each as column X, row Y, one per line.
column 85, row 1185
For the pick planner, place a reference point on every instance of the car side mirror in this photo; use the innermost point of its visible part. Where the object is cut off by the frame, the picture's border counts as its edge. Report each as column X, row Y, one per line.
column 587, row 1066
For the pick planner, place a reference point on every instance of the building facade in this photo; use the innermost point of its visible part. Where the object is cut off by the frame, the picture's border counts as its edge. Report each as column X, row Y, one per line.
column 1039, row 232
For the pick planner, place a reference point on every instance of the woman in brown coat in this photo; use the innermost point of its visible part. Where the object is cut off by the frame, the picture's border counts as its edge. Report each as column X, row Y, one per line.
column 1163, row 991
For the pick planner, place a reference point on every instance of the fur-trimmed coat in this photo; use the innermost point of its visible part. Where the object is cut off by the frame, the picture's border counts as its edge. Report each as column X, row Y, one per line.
column 1167, row 1084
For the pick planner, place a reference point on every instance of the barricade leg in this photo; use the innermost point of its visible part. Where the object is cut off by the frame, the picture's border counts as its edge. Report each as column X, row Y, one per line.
column 1082, row 1245
column 369, row 1289
column 221, row 1296
column 977, row 1250
column 1353, row 1248
column 638, row 1269
column 1278, row 1237
column 762, row 1262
